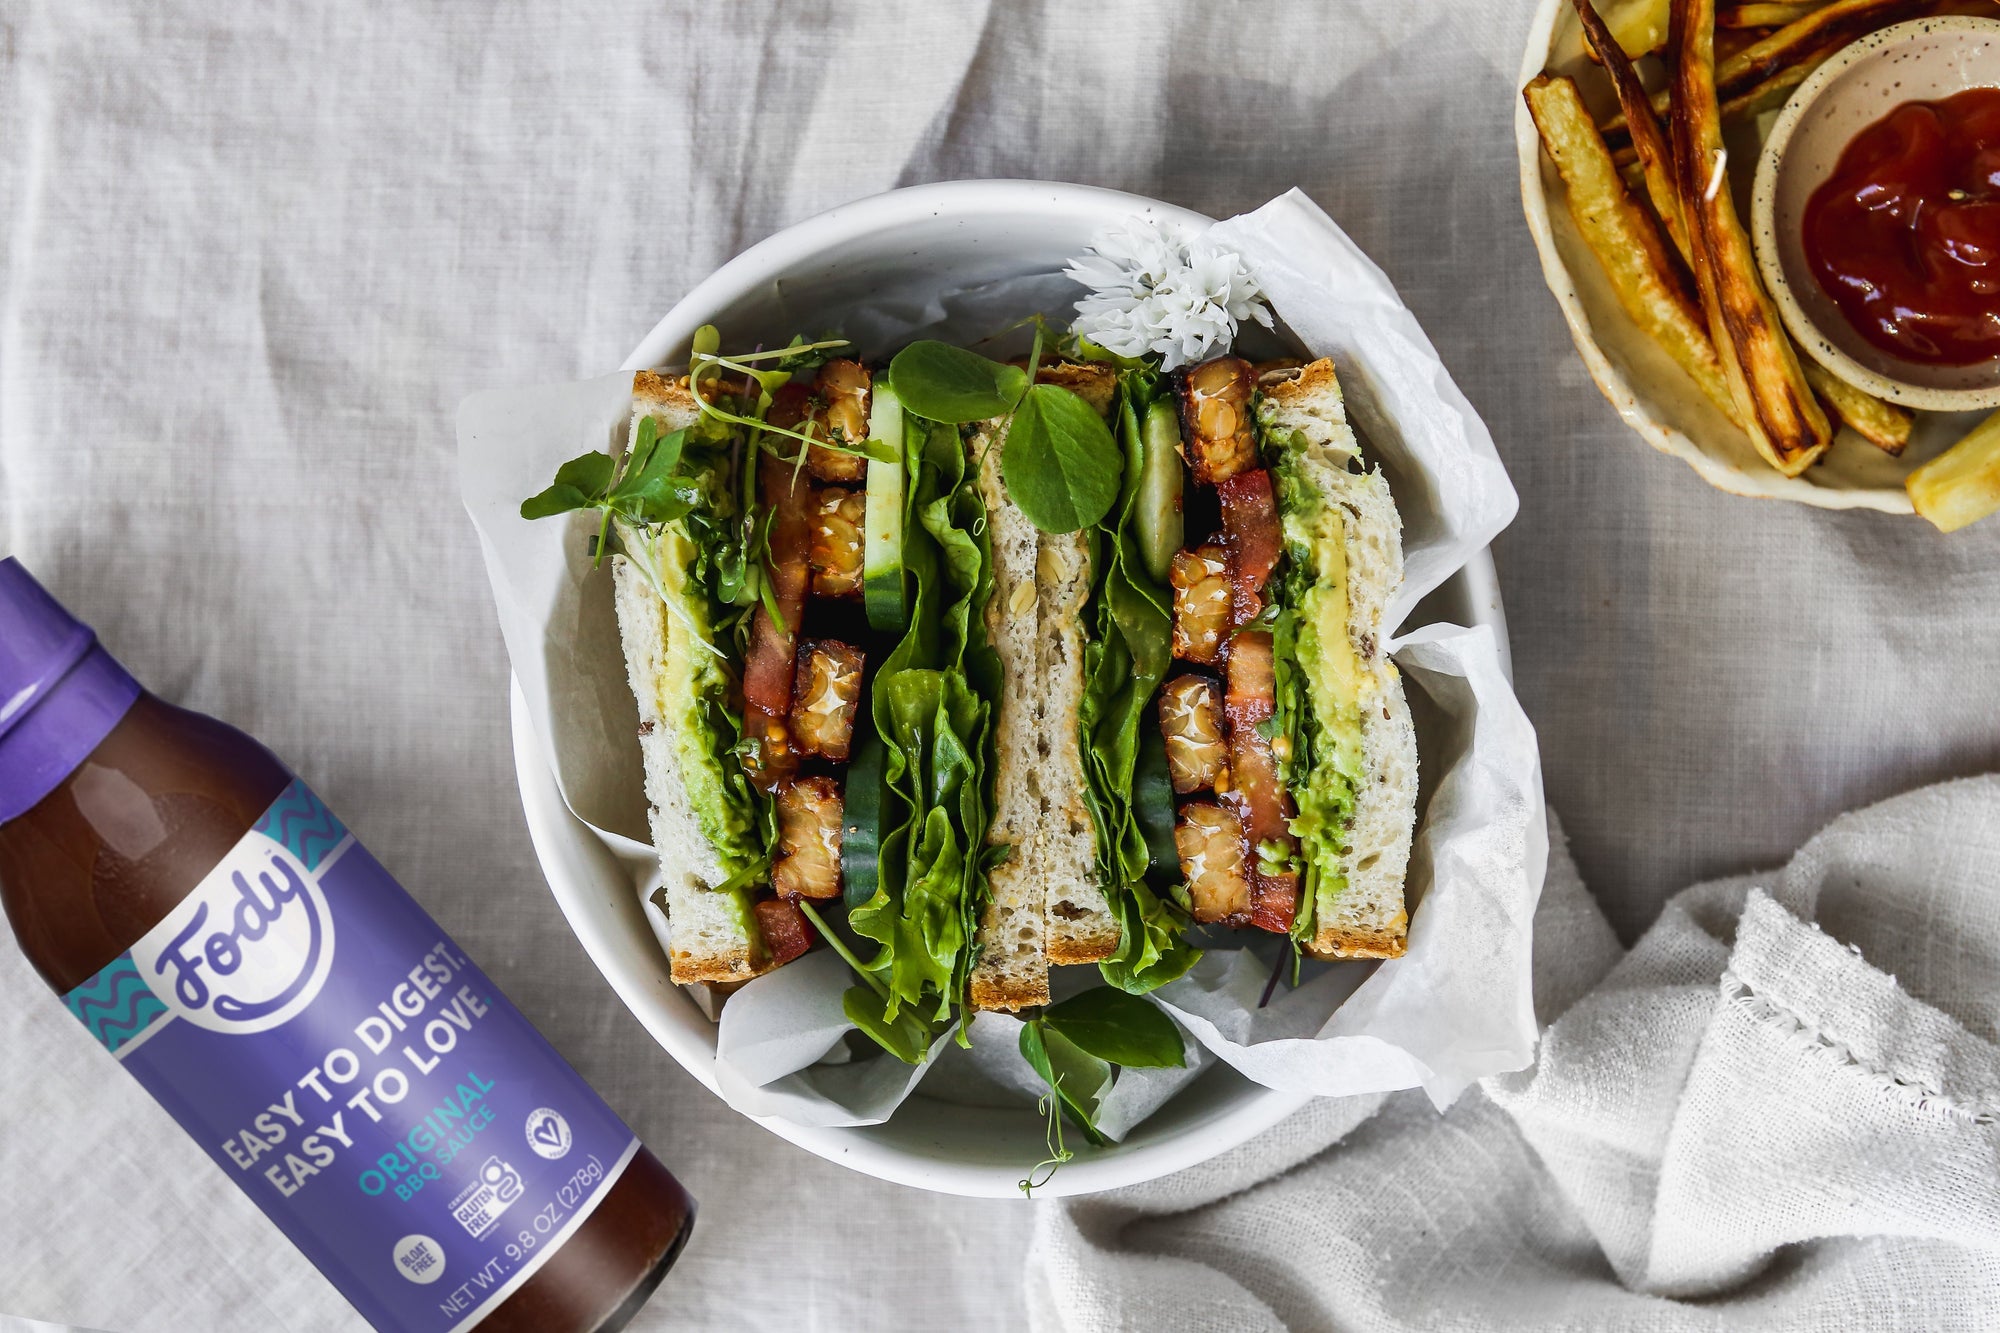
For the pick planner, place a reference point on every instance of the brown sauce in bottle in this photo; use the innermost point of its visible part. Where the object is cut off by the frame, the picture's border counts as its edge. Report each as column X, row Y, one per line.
column 116, row 846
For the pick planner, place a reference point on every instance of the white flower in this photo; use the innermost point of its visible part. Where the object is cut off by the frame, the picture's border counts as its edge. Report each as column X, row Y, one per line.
column 1157, row 288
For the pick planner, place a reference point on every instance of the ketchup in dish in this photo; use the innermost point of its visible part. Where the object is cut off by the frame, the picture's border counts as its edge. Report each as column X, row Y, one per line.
column 1905, row 235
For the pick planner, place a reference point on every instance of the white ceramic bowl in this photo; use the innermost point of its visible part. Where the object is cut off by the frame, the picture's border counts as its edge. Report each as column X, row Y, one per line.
column 1919, row 61
column 924, row 237
column 1652, row 394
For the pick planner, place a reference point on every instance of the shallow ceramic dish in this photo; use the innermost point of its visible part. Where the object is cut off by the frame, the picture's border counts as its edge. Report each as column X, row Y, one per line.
column 1652, row 394
column 1919, row 61
column 912, row 242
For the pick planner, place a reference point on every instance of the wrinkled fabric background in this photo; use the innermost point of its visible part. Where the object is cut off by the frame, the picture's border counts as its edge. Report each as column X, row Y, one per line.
column 1779, row 1111
column 256, row 252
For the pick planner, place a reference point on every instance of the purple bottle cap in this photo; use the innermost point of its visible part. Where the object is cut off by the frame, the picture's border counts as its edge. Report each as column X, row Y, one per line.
column 60, row 692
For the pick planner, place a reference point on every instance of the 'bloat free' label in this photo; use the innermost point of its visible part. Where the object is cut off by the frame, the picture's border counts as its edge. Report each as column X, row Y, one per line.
column 358, row 1076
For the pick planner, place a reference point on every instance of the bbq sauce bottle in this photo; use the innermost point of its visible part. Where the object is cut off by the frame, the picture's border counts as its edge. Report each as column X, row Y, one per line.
column 225, row 938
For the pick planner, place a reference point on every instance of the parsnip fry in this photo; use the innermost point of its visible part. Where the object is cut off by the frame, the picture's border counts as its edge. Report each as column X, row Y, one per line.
column 1779, row 411
column 1883, row 425
column 1761, row 15
column 1757, row 99
column 1817, row 32
column 1655, row 158
column 1622, row 237
column 1815, row 35
column 1772, row 92
column 1962, row 484
column 1639, row 25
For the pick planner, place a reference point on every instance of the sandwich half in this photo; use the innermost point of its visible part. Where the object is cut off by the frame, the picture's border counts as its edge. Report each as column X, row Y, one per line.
column 746, row 721
column 1355, row 788
column 1214, row 734
column 1048, row 903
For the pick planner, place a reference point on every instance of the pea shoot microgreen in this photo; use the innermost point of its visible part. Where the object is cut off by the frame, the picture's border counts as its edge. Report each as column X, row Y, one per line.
column 1077, row 1046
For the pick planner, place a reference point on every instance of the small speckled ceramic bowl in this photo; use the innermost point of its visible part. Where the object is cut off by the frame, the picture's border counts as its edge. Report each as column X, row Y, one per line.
column 1919, row 61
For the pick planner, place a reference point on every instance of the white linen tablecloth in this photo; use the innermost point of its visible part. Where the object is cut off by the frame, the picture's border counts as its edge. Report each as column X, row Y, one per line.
column 256, row 252
column 1779, row 1111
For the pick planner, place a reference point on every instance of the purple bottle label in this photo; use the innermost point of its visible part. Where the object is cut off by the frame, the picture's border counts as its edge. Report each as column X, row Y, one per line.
column 358, row 1076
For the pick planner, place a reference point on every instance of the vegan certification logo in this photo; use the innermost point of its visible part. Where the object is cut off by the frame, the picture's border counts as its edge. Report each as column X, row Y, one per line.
column 548, row 1133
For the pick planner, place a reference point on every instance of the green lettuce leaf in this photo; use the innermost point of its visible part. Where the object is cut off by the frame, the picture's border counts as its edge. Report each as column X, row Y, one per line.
column 1128, row 656
column 932, row 712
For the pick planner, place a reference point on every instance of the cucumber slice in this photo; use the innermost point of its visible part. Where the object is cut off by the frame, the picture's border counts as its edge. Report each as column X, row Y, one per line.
column 883, row 590
column 1153, row 801
column 1160, row 525
column 861, row 815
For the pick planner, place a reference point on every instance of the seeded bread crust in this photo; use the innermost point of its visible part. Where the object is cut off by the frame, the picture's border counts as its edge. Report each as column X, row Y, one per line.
column 1046, row 905
column 1012, row 970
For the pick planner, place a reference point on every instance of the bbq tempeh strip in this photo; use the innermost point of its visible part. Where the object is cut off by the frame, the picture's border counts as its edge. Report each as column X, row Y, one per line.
column 1209, row 839
column 1191, row 723
column 837, row 546
column 1202, row 603
column 1217, row 425
column 840, row 412
column 826, row 696
column 808, row 865
column 783, row 928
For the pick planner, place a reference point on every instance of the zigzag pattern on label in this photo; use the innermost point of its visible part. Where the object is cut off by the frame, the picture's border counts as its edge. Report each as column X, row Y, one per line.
column 116, row 1005
column 306, row 828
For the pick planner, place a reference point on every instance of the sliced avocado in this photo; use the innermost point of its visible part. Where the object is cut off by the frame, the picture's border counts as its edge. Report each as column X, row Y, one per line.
column 1334, row 678
column 695, row 692
column 883, row 587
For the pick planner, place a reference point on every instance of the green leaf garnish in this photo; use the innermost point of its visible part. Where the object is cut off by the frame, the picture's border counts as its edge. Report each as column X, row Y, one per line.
column 579, row 484
column 645, row 490
column 944, row 383
column 1120, row 1028
column 557, row 499
column 1061, row 465
column 906, row 1036
column 1077, row 1077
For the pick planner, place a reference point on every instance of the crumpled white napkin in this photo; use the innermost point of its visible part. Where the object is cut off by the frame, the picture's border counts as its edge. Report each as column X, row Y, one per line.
column 1780, row 1110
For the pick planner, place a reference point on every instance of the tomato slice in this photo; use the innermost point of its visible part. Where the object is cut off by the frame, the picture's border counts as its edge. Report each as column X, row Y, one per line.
column 1256, row 791
column 1251, row 535
column 768, row 671
column 790, row 405
column 1252, row 692
column 784, row 928
column 1274, row 902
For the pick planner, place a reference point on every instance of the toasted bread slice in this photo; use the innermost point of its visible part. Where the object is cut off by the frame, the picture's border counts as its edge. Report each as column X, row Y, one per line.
column 1367, row 917
column 710, row 942
column 1046, row 904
